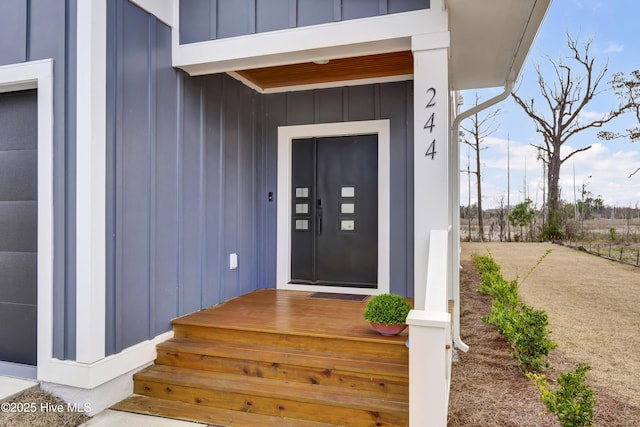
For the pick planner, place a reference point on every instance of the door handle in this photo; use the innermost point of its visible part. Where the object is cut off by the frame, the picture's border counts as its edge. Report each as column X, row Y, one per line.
column 319, row 217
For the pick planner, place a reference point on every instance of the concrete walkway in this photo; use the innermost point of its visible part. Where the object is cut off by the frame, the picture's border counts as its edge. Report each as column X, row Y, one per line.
column 10, row 386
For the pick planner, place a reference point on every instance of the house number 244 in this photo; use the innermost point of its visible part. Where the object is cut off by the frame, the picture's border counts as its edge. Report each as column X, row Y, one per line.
column 430, row 123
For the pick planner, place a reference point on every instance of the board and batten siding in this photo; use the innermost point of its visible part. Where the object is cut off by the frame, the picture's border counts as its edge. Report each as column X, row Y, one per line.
column 202, row 20
column 190, row 165
column 30, row 31
column 182, row 180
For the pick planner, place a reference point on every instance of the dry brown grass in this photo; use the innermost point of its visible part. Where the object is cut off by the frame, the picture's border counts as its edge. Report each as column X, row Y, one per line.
column 593, row 311
column 40, row 417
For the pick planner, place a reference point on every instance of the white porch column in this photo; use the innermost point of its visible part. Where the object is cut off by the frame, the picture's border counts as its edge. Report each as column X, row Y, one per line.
column 91, row 180
column 431, row 148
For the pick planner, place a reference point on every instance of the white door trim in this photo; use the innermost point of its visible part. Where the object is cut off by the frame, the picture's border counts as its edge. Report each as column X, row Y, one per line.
column 286, row 134
column 39, row 75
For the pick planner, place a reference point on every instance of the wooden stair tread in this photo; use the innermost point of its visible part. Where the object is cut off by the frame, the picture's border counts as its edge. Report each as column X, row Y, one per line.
column 216, row 416
column 271, row 311
column 254, row 386
column 340, row 361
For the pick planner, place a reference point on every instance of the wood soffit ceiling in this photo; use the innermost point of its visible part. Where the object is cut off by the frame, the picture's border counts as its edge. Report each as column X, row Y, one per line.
column 344, row 69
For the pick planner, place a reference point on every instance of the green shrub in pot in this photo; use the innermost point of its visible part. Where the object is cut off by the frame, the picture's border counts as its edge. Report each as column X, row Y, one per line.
column 387, row 309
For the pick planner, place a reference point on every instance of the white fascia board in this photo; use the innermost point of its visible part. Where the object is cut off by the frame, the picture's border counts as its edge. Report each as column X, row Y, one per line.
column 161, row 9
column 378, row 34
column 439, row 40
column 91, row 181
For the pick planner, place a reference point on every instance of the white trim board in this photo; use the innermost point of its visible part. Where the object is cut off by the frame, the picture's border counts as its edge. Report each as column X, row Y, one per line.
column 39, row 75
column 161, row 9
column 91, row 181
column 354, row 37
column 286, row 134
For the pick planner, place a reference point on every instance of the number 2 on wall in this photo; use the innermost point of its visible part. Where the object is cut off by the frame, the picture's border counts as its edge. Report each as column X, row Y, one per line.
column 432, row 101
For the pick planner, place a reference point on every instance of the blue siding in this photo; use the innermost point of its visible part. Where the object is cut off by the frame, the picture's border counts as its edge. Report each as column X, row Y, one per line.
column 13, row 31
column 191, row 161
column 202, row 20
column 42, row 29
column 272, row 15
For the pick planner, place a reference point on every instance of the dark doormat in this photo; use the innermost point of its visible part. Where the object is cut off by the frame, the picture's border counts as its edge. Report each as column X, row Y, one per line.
column 344, row 297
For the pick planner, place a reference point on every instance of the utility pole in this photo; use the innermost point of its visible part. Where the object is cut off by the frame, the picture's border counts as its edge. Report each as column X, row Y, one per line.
column 575, row 200
column 508, row 187
column 469, row 192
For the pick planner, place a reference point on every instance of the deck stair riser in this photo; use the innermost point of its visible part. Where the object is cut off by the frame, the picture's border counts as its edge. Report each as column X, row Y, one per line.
column 311, row 343
column 333, row 369
column 335, row 405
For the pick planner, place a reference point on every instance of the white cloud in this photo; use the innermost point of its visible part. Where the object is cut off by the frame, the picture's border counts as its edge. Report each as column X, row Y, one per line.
column 613, row 48
column 604, row 169
column 590, row 116
column 604, row 173
column 590, row 4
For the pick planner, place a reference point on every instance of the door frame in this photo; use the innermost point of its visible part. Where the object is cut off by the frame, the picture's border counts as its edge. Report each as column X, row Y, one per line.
column 38, row 75
column 286, row 135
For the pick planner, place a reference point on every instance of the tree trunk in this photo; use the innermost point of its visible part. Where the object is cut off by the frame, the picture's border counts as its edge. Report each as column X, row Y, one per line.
column 479, row 180
column 553, row 196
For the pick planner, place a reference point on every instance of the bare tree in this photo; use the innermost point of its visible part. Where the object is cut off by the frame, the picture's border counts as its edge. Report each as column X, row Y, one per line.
column 478, row 128
column 628, row 90
column 576, row 82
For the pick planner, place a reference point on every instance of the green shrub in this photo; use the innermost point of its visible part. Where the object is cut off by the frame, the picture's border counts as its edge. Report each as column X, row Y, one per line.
column 526, row 331
column 485, row 264
column 573, row 401
column 553, row 229
column 524, row 328
column 389, row 309
column 492, row 283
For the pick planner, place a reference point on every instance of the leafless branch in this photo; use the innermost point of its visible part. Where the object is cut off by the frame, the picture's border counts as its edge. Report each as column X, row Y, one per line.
column 579, row 150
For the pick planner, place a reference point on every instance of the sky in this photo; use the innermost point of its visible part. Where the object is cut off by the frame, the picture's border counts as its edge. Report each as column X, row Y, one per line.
column 611, row 28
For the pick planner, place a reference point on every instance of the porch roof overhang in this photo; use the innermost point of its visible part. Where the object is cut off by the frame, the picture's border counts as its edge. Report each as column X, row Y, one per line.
column 489, row 42
column 490, row 39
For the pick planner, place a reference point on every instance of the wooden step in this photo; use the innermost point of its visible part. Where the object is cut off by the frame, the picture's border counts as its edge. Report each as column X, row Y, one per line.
column 358, row 372
column 312, row 402
column 205, row 414
column 277, row 358
column 375, row 345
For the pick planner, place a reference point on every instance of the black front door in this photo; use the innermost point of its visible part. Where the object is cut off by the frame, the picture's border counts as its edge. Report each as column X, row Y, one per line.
column 334, row 236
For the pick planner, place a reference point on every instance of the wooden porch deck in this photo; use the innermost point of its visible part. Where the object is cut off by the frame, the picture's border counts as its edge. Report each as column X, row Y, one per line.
column 277, row 358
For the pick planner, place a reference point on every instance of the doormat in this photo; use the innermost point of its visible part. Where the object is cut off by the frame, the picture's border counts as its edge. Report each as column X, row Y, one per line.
column 344, row 297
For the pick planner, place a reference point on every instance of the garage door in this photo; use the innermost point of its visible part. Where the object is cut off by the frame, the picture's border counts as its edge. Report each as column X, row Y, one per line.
column 18, row 226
